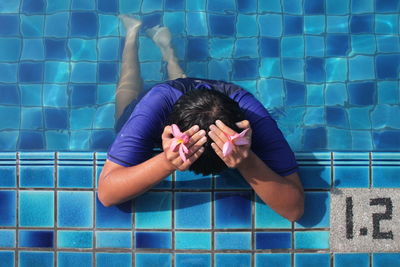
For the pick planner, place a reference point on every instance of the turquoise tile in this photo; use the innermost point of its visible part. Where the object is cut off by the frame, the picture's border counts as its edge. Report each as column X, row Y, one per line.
column 232, row 260
column 153, row 259
column 270, row 67
column 237, row 240
column 314, row 116
column 201, row 260
column 82, row 118
column 32, row 49
column 58, row 5
column 31, row 118
column 176, row 22
column 362, row 6
column 315, row 94
column 336, row 70
column 55, row 95
column 57, row 140
column 361, row 140
column 7, row 239
column 189, row 179
column 152, row 5
column 148, row 51
column 66, row 259
column 32, row 26
column 8, row 169
column 386, row 24
column 36, row 209
column 56, row 25
column 293, row 69
column 270, row 25
column 314, row 46
column 108, row 48
column 31, row 95
column 127, row 6
column 151, row 71
column 71, row 175
column 196, row 24
column 36, row 259
column 113, row 259
column 385, row 259
column 75, row 209
column 104, row 117
column 105, row 93
column 83, row 72
column 246, row 26
column 363, row 44
column 74, row 239
column 385, row 176
column 82, row 49
column 8, row 139
column 292, row 47
column 361, row 68
column 221, row 48
column 219, row 69
column 314, row 24
column 36, row 176
column 308, row 259
column 275, row 259
column 351, row 176
column 338, row 139
column 184, row 240
column 359, row 118
column 315, row 177
column 337, row 24
column 351, row 260
column 192, row 210
column 10, row 49
column 311, row 240
column 7, row 257
column 388, row 44
column 272, row 6
column 265, row 217
column 316, row 210
column 246, row 47
column 385, row 116
column 271, row 92
column 388, row 92
column 109, row 26
column 153, row 210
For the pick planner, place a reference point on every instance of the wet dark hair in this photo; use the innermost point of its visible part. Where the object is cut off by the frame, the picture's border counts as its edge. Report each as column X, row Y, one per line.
column 203, row 107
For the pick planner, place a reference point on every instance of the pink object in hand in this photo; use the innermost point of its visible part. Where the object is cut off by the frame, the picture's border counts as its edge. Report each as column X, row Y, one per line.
column 236, row 139
column 180, row 139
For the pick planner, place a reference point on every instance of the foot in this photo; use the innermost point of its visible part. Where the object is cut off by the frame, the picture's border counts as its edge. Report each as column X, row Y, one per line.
column 131, row 24
column 161, row 36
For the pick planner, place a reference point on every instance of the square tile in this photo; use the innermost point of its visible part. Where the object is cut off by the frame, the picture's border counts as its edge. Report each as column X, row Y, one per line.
column 67, row 259
column 184, row 240
column 7, row 239
column 201, row 260
column 8, row 208
column 153, row 259
column 36, row 208
column 232, row 210
column 43, row 259
column 232, row 260
column 308, row 259
column 74, row 239
column 75, row 209
column 154, row 240
column 118, row 216
column 192, row 210
column 316, row 210
column 267, row 218
column 36, row 239
column 385, row 259
column 191, row 180
column 113, row 239
column 278, row 260
column 237, row 240
column 276, row 240
column 311, row 240
column 114, row 259
column 351, row 260
column 153, row 210
column 7, row 257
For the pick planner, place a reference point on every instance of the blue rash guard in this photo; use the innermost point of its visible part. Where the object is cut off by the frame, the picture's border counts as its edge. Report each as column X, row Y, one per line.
column 143, row 121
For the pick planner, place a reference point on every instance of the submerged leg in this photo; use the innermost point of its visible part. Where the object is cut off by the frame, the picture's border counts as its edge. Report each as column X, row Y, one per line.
column 162, row 38
column 130, row 83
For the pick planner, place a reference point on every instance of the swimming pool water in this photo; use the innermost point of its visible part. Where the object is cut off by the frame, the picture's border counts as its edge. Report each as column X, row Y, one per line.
column 328, row 71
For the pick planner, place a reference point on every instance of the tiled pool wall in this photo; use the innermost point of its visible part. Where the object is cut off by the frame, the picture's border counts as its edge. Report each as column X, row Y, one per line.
column 50, row 215
column 327, row 70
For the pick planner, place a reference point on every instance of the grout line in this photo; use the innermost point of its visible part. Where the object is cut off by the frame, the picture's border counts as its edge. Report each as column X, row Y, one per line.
column 55, row 155
column 17, row 209
column 94, row 207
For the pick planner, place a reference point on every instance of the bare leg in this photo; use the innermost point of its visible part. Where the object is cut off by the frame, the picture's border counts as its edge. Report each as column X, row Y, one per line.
column 130, row 82
column 162, row 37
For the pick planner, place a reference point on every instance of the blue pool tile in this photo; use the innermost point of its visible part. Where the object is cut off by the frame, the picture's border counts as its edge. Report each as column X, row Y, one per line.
column 113, row 239
column 336, row 116
column 196, row 24
column 385, row 176
column 361, row 68
column 7, row 239
column 232, row 210
column 114, row 259
column 314, row 116
column 79, row 140
column 351, row 176
column 151, row 20
column 277, row 260
column 10, row 49
column 75, row 176
column 66, row 259
column 219, row 69
column 103, row 116
column 292, row 46
column 55, row 49
column 7, row 257
column 32, row 6
column 293, row 69
column 265, row 217
column 151, row 5
column 292, row 6
column 156, row 240
column 337, row 45
column 337, row 24
column 107, row 72
column 83, row 72
column 222, row 25
column 107, row 6
column 175, row 22
column 32, row 26
column 58, row 5
column 386, row 24
column 239, row 240
column 56, row 72
column 221, row 6
column 199, row 5
column 246, row 47
column 74, row 239
column 8, row 139
column 387, row 66
column 336, row 93
column 118, row 216
column 75, row 209
column 339, row 139
column 56, row 118
column 362, row 93
column 315, row 138
column 7, row 208
column 269, row 47
column 246, row 26
column 153, row 259
column 57, row 25
column 351, row 260
column 83, row 95
column 10, row 6
column 82, row 49
column 36, row 259
column 31, row 95
column 9, row 94
column 316, row 210
column 362, row 6
column 36, row 239
column 311, row 240
column 388, row 92
column 293, row 25
column 188, row 179
column 361, row 24
column 184, row 240
column 31, row 118
column 221, row 47
column 84, row 24
column 36, row 209
column 363, row 43
column 192, row 210
column 82, row 5
column 272, row 6
column 295, row 93
column 8, row 73
column 10, row 25
column 361, row 140
column 387, row 6
column 308, row 259
column 109, row 26
column 281, row 240
column 230, row 178
column 314, row 7
column 247, row 6
column 232, row 260
column 270, row 67
column 200, row 260
column 197, row 49
column 32, row 49
column 385, row 259
column 315, row 70
column 388, row 44
column 108, row 48
column 105, row 94
column 314, row 25
column 270, row 25
column 174, row 4
column 81, row 118
column 316, row 177
column 102, row 139
column 153, row 210
column 8, row 173
column 31, row 72
column 151, row 71
column 245, row 69
column 336, row 71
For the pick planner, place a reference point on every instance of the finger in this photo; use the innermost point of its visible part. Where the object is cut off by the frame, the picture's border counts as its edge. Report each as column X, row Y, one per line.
column 224, row 128
column 167, row 133
column 194, row 129
column 196, row 137
column 217, row 150
column 221, row 135
column 243, row 124
column 199, row 144
column 192, row 158
column 216, row 139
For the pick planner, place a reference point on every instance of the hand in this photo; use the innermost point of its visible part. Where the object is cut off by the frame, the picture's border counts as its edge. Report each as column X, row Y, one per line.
column 239, row 153
column 195, row 146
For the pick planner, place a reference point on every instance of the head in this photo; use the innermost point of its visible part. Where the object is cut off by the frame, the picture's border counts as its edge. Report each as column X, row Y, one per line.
column 203, row 107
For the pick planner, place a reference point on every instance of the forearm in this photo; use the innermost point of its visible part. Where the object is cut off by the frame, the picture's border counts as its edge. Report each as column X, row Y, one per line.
column 282, row 195
column 122, row 184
